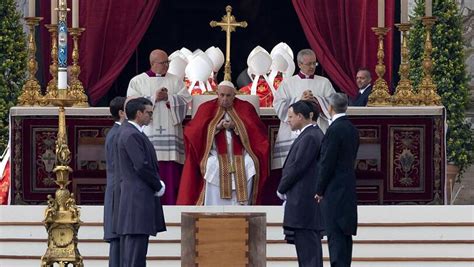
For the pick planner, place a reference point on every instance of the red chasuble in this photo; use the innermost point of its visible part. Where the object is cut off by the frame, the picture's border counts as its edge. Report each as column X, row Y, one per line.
column 263, row 90
column 196, row 89
column 199, row 135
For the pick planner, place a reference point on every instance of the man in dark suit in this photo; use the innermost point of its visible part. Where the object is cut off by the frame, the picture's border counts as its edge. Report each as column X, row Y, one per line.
column 363, row 80
column 110, row 235
column 336, row 186
column 302, row 217
column 140, row 211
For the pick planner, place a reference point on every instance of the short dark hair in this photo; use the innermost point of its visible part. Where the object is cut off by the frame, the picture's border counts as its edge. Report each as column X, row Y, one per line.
column 115, row 106
column 338, row 101
column 302, row 107
column 136, row 104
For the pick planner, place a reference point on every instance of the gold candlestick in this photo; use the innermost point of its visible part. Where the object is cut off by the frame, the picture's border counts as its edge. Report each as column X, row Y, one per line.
column 380, row 95
column 62, row 218
column 62, row 215
column 52, row 88
column 404, row 95
column 76, row 89
column 31, row 93
column 427, row 89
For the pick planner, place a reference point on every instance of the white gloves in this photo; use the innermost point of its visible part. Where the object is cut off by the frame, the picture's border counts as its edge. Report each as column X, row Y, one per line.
column 281, row 196
column 162, row 190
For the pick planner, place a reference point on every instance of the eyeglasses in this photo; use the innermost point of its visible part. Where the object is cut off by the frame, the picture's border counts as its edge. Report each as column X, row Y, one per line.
column 310, row 64
column 166, row 62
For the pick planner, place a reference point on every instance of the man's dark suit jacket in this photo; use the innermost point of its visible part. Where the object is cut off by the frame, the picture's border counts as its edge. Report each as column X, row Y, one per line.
column 299, row 176
column 140, row 212
column 361, row 99
column 336, row 179
column 112, row 182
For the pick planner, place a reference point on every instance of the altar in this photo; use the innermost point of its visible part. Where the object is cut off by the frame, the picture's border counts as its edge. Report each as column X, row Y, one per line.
column 401, row 158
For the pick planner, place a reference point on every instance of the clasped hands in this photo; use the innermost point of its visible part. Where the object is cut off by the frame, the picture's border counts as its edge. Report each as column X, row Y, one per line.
column 225, row 124
column 318, row 198
column 161, row 94
column 307, row 95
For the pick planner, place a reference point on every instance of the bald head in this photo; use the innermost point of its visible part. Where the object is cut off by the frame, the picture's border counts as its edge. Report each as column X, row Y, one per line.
column 159, row 61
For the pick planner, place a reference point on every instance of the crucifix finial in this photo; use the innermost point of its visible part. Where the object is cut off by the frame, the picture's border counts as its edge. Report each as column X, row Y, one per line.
column 228, row 24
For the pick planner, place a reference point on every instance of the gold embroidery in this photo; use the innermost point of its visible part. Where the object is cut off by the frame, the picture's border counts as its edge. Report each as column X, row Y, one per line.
column 241, row 180
column 211, row 131
column 200, row 200
column 225, row 181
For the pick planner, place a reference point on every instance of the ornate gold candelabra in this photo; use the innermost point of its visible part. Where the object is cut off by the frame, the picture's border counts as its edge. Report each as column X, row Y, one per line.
column 380, row 95
column 427, row 89
column 31, row 93
column 52, row 88
column 62, row 217
column 76, row 90
column 404, row 95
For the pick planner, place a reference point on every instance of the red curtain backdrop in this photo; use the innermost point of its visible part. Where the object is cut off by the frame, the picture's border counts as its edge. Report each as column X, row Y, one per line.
column 339, row 32
column 114, row 29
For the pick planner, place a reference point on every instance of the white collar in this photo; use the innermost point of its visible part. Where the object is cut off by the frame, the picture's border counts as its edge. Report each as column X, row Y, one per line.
column 298, row 132
column 302, row 129
column 117, row 122
column 139, row 128
column 361, row 91
column 336, row 116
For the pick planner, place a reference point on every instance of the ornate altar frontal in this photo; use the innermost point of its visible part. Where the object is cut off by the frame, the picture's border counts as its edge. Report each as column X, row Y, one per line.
column 401, row 156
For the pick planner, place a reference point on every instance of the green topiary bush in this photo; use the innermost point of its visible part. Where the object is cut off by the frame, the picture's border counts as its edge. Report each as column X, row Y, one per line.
column 12, row 63
column 449, row 74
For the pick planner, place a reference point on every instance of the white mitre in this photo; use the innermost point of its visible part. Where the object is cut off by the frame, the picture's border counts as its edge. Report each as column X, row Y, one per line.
column 216, row 56
column 178, row 64
column 259, row 62
column 187, row 53
column 279, row 64
column 285, row 50
column 198, row 70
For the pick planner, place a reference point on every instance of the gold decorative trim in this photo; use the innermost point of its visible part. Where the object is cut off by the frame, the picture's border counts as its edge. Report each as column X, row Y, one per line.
column 17, row 166
column 225, row 180
column 211, row 132
column 200, row 200
column 437, row 161
column 241, row 179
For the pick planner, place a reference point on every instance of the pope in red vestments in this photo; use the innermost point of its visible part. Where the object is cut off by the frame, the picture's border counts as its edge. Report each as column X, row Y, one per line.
column 207, row 130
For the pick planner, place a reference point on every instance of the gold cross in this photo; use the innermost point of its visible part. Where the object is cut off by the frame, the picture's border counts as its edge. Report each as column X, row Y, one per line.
column 228, row 24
